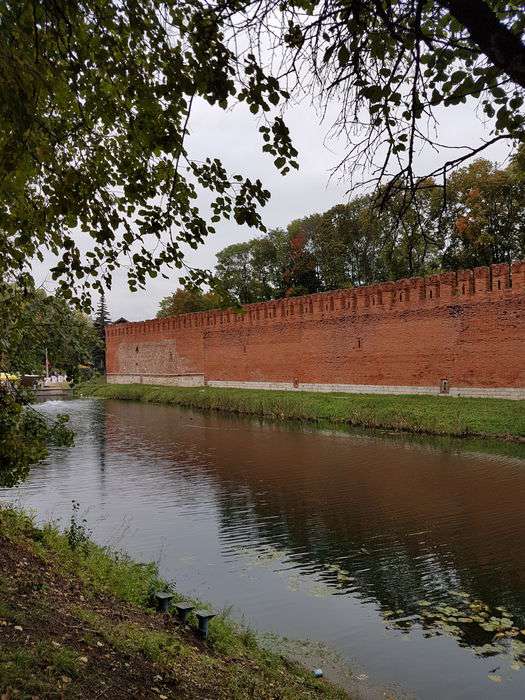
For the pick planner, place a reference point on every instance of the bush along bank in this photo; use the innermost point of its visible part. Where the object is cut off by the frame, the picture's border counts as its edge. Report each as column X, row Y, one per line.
column 76, row 622
column 435, row 415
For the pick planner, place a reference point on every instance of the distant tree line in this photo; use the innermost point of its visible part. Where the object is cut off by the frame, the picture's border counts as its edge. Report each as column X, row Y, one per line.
column 46, row 325
column 478, row 220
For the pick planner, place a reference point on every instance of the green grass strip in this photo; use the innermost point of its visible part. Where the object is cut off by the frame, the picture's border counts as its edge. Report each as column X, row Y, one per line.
column 435, row 415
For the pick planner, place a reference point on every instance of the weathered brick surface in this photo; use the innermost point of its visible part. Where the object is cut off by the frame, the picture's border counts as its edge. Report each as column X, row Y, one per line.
column 466, row 327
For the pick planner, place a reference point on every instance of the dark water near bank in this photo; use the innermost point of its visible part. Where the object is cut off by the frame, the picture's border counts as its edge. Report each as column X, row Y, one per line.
column 322, row 535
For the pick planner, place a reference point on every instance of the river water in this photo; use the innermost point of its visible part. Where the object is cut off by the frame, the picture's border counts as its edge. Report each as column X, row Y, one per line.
column 381, row 546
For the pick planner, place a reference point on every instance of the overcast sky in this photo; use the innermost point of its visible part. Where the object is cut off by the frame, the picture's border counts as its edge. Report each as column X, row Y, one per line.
column 233, row 136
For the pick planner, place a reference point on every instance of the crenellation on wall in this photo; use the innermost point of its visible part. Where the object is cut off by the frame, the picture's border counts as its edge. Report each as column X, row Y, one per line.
column 464, row 286
column 518, row 277
column 465, row 283
column 448, row 287
column 500, row 274
column 432, row 289
column 401, row 296
column 481, row 282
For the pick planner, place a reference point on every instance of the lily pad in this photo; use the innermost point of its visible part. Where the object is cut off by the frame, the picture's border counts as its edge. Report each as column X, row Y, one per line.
column 488, row 627
column 495, row 677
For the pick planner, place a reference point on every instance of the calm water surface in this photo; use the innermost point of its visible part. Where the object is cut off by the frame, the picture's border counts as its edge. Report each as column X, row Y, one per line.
column 322, row 535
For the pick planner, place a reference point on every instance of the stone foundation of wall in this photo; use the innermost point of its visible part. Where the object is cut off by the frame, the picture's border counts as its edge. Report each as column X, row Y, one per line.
column 157, row 379
column 481, row 392
column 198, row 380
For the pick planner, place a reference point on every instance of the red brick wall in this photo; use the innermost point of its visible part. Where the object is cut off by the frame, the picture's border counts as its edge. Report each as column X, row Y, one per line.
column 466, row 327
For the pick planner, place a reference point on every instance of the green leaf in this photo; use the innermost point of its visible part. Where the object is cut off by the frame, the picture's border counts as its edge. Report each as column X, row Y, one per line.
column 343, row 55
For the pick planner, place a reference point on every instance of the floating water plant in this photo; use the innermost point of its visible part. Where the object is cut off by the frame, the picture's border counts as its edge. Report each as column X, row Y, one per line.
column 487, row 631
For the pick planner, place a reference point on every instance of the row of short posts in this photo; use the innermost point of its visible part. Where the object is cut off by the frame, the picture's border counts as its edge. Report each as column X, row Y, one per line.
column 203, row 616
column 183, row 611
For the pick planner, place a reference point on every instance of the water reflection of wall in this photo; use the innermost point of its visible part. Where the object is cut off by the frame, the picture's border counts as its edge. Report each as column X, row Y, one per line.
column 405, row 521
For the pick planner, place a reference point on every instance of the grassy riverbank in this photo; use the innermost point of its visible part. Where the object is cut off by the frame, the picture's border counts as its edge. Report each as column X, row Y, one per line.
column 435, row 415
column 76, row 622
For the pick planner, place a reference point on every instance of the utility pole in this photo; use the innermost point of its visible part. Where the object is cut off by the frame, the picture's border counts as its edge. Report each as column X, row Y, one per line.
column 47, row 366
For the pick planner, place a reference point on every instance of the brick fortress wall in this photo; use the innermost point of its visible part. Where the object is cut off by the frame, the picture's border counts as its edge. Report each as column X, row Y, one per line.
column 461, row 333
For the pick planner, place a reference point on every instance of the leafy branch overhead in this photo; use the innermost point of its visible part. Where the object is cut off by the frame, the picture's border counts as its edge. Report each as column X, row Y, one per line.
column 392, row 66
column 97, row 96
column 96, row 100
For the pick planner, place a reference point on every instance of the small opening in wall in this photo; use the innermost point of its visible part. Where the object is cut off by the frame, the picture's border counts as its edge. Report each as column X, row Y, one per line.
column 430, row 294
column 400, row 296
column 499, row 284
column 463, row 289
column 359, row 343
column 443, row 386
column 137, row 349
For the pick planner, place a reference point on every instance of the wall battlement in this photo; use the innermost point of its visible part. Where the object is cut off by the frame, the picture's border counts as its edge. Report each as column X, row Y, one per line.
column 501, row 281
column 458, row 333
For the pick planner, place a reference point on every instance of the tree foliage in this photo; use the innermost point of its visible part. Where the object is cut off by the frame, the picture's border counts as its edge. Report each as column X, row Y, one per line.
column 25, row 436
column 254, row 269
column 95, row 104
column 391, row 67
column 96, row 100
column 482, row 222
column 33, row 322
column 102, row 319
column 185, row 301
column 485, row 215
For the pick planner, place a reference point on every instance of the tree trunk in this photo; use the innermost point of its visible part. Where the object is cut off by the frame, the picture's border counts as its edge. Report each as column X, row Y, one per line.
column 504, row 49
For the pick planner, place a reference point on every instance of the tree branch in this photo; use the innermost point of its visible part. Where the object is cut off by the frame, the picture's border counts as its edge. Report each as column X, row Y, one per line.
column 504, row 48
